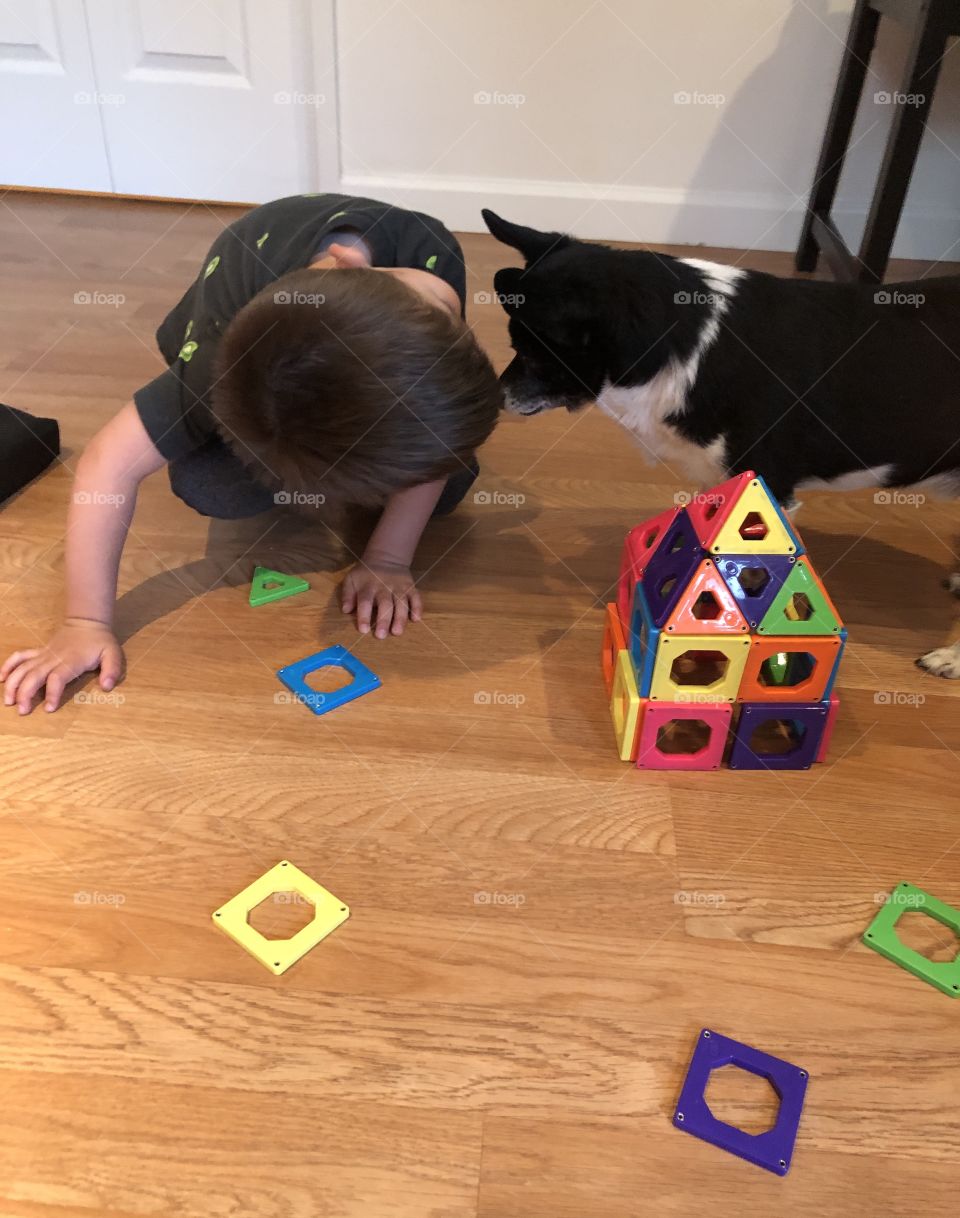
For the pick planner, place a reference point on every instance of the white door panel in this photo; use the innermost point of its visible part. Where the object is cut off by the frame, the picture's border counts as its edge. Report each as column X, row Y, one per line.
column 50, row 130
column 217, row 100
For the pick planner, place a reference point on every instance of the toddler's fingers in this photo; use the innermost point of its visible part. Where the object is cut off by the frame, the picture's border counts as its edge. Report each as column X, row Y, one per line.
column 364, row 610
column 401, row 612
column 384, row 613
column 14, row 679
column 111, row 666
column 56, row 683
column 11, row 662
column 33, row 681
column 348, row 597
column 416, row 605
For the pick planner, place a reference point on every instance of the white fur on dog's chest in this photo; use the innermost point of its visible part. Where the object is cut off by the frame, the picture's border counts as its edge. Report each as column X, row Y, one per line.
column 642, row 410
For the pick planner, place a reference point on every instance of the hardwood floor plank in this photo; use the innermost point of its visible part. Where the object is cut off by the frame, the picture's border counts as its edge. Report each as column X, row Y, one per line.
column 131, row 1148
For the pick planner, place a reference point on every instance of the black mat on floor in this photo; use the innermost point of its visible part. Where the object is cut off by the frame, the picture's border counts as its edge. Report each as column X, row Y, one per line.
column 27, row 447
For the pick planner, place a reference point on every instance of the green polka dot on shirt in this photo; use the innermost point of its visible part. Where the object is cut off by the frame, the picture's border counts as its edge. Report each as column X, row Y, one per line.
column 431, row 262
column 262, row 240
column 211, row 266
column 187, row 350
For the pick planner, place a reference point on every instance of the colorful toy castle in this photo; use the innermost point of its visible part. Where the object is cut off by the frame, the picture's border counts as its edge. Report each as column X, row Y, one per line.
column 722, row 643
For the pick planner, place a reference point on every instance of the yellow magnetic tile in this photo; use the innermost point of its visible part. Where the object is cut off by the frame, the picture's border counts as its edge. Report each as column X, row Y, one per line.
column 278, row 954
column 735, row 648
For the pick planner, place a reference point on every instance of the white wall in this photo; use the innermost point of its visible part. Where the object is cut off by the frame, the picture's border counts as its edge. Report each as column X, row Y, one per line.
column 588, row 134
column 688, row 121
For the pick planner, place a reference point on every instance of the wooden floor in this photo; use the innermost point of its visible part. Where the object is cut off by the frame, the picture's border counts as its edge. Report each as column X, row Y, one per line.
column 538, row 932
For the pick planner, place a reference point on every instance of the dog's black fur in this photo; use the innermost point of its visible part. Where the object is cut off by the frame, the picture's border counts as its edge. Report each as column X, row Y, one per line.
column 802, row 381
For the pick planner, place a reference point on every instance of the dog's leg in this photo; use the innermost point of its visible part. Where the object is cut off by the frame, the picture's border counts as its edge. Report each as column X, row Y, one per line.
column 945, row 661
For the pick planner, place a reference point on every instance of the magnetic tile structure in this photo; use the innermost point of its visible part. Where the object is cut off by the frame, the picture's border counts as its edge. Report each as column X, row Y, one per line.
column 723, row 636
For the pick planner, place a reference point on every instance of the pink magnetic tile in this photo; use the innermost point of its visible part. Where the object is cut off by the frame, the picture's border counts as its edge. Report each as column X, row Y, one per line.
column 716, row 715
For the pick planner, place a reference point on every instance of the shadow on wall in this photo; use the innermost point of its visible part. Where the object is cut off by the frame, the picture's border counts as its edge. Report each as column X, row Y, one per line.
column 791, row 92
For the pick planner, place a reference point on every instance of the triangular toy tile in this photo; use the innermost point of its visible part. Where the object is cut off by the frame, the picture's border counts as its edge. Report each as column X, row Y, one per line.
column 672, row 567
column 801, row 606
column 268, row 586
column 640, row 546
column 754, row 580
column 708, row 510
column 755, row 525
column 706, row 606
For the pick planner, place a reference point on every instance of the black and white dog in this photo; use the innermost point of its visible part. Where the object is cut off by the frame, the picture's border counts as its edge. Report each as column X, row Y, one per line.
column 719, row 369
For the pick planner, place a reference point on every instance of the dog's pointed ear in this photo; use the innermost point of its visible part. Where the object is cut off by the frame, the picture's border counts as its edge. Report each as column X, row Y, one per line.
column 508, row 288
column 531, row 243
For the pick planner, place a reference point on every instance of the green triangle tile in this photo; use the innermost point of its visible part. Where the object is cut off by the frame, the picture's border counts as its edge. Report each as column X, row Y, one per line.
column 801, row 606
column 262, row 593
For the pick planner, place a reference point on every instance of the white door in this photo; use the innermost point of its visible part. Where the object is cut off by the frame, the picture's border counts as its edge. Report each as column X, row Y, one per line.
column 216, row 99
column 50, row 132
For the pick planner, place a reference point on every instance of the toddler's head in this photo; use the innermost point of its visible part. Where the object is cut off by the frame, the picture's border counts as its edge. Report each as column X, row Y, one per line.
column 353, row 385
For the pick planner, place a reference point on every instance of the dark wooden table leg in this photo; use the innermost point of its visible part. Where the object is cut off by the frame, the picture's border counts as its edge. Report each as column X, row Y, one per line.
column 909, row 119
column 843, row 111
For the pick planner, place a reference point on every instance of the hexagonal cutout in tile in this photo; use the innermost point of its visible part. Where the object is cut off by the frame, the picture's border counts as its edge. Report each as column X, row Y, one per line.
column 742, row 1099
column 281, row 915
column 701, row 668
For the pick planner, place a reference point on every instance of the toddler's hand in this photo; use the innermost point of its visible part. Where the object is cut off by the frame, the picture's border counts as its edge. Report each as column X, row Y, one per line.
column 79, row 646
column 383, row 591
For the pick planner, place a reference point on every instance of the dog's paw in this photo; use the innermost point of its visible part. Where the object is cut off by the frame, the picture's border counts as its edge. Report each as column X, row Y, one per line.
column 942, row 662
column 953, row 583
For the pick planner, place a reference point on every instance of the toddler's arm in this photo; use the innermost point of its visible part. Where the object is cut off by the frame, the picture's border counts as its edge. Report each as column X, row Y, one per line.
column 381, row 586
column 108, row 476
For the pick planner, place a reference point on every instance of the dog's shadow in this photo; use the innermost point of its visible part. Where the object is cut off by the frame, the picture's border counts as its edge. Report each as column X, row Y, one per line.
column 876, row 585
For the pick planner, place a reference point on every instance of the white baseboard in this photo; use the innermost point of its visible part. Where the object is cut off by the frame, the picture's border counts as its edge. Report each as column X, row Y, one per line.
column 648, row 214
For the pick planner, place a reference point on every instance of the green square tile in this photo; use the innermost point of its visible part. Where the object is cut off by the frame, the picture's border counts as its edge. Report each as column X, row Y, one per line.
column 881, row 935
